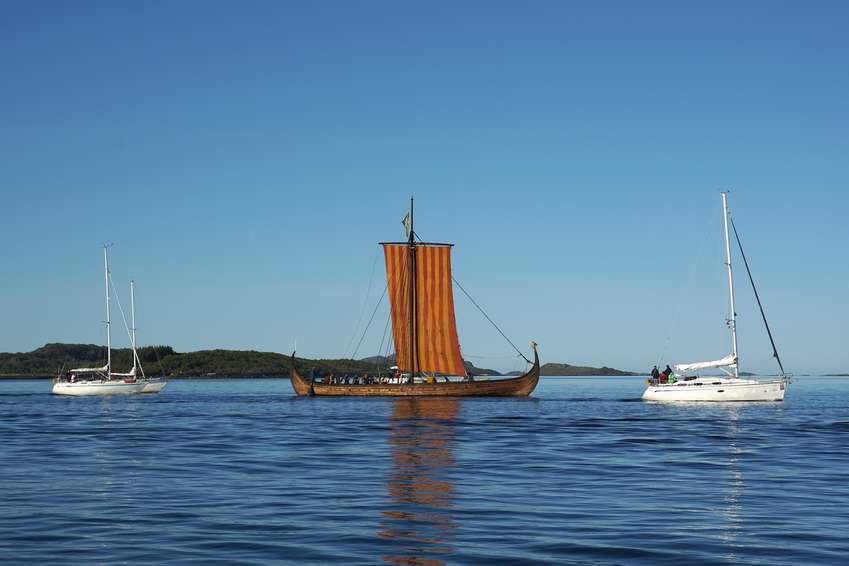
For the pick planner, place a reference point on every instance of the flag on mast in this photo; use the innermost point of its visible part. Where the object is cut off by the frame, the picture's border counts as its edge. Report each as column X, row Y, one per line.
column 406, row 223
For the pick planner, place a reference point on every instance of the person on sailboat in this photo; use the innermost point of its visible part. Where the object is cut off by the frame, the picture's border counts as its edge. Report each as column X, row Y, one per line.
column 655, row 374
column 670, row 375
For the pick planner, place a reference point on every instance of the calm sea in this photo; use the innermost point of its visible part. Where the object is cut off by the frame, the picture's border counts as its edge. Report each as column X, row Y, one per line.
column 243, row 472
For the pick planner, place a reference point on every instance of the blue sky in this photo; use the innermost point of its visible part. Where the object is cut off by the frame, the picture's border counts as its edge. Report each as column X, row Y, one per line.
column 245, row 158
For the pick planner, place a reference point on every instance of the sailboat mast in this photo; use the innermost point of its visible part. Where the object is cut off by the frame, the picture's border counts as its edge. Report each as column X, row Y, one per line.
column 411, row 274
column 133, row 321
column 733, row 321
column 108, row 313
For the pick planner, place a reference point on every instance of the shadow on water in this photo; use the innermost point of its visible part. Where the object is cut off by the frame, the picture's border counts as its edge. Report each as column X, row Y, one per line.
column 420, row 523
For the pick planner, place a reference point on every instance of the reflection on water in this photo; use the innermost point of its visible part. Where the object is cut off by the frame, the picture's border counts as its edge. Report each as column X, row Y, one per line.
column 733, row 507
column 421, row 441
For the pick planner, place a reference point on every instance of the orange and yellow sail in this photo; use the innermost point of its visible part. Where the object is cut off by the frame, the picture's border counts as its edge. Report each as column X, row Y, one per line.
column 430, row 344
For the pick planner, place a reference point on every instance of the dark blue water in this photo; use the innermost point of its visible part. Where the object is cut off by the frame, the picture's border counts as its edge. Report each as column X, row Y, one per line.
column 240, row 471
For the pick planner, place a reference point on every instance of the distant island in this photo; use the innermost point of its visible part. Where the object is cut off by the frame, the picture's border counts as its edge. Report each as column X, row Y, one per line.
column 568, row 370
column 48, row 360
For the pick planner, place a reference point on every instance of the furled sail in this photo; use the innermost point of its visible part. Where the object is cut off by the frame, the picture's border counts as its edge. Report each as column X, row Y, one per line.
column 131, row 373
column 430, row 343
column 90, row 370
column 728, row 361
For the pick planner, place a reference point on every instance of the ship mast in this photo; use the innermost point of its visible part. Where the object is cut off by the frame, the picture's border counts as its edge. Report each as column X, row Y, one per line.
column 732, row 322
column 108, row 313
column 411, row 274
column 133, row 321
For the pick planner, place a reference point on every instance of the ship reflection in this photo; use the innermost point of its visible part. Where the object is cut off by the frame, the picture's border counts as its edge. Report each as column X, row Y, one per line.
column 420, row 523
column 732, row 512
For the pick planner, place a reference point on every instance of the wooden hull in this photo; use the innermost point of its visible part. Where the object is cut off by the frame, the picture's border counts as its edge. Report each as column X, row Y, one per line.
column 521, row 386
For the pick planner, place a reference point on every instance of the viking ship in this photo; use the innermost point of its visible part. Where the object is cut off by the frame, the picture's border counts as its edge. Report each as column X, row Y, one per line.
column 424, row 329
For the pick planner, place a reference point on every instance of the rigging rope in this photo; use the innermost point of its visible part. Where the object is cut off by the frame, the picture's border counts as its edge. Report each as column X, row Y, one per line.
column 126, row 327
column 760, row 306
column 489, row 319
column 380, row 348
column 365, row 302
column 454, row 279
column 369, row 322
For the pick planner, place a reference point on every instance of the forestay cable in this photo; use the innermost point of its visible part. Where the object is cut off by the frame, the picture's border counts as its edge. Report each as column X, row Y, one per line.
column 489, row 319
column 760, row 306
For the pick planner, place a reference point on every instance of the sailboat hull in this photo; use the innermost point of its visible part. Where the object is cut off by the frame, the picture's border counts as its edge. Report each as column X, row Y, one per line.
column 521, row 386
column 153, row 385
column 97, row 388
column 722, row 390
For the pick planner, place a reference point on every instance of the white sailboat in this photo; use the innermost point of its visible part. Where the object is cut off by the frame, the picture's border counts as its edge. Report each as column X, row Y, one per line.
column 103, row 381
column 100, row 381
column 690, row 386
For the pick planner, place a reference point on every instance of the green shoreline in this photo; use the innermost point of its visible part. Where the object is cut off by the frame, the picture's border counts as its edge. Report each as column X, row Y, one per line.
column 50, row 359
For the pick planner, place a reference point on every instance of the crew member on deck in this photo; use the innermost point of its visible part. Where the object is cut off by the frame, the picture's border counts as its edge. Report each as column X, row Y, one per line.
column 655, row 374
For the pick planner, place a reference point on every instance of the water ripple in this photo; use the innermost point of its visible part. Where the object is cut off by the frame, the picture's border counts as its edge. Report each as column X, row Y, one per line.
column 242, row 472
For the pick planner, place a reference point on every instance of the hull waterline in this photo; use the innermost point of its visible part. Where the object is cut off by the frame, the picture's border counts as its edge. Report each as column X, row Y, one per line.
column 97, row 388
column 725, row 391
column 153, row 385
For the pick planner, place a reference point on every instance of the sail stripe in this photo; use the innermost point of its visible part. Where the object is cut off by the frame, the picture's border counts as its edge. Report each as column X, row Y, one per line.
column 452, row 322
column 451, row 347
column 395, row 271
column 453, row 352
column 404, row 302
column 439, row 307
column 440, row 338
column 423, row 307
column 435, row 291
column 399, row 320
column 424, row 304
column 433, row 298
column 437, row 360
column 445, row 329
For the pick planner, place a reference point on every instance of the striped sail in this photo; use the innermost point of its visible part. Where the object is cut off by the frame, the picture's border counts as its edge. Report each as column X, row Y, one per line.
column 435, row 347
